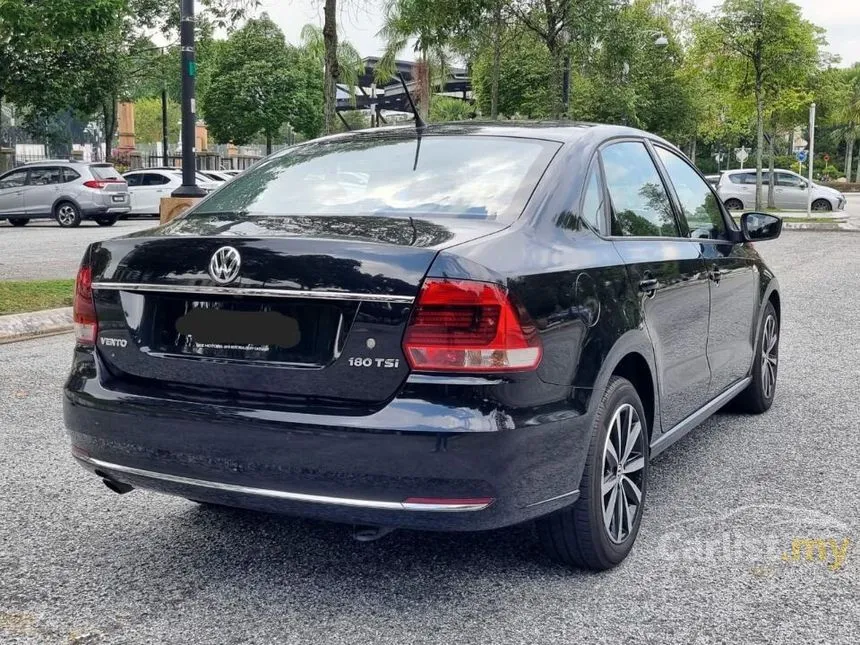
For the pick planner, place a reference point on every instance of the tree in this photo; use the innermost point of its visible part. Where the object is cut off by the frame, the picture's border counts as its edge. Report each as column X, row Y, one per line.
column 147, row 120
column 258, row 84
column 349, row 64
column 772, row 42
column 434, row 26
column 523, row 73
column 331, row 73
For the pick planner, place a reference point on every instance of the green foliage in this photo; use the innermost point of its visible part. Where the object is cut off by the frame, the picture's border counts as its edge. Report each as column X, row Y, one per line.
column 259, row 83
column 147, row 120
column 523, row 75
column 449, row 108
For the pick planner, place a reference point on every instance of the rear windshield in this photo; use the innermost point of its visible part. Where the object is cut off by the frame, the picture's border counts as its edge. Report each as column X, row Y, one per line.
column 479, row 177
column 105, row 172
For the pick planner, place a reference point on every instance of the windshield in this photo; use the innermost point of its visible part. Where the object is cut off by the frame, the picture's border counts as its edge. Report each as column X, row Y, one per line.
column 479, row 177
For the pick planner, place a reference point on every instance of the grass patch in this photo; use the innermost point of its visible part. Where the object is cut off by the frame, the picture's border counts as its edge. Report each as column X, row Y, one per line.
column 19, row 296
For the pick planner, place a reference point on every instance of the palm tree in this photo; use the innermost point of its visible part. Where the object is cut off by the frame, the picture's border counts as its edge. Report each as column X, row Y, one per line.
column 349, row 65
column 404, row 21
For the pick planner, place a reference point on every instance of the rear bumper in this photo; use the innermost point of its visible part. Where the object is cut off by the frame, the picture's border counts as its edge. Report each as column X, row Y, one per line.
column 505, row 467
column 101, row 211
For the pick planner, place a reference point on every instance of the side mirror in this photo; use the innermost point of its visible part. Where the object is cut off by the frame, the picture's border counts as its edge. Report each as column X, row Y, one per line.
column 757, row 227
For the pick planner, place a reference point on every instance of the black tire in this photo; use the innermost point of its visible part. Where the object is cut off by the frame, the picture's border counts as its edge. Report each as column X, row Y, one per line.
column 822, row 206
column 67, row 214
column 734, row 204
column 578, row 535
column 19, row 221
column 758, row 396
column 108, row 220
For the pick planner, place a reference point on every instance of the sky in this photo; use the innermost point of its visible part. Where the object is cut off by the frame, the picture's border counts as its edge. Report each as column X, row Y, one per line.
column 361, row 19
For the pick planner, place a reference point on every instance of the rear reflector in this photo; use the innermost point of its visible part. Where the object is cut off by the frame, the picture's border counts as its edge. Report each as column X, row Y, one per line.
column 84, row 309
column 468, row 326
column 447, row 503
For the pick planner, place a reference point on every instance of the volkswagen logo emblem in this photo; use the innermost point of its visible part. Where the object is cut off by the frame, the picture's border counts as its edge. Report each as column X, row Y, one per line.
column 224, row 265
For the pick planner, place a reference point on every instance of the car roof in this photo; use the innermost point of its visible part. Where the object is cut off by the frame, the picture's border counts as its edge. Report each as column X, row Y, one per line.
column 579, row 136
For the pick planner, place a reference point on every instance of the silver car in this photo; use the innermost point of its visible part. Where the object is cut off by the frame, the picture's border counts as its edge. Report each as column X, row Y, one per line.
column 67, row 191
column 737, row 190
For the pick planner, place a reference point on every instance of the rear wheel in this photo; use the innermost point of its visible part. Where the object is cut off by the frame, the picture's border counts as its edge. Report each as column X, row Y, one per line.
column 821, row 205
column 734, row 204
column 107, row 220
column 598, row 531
column 68, row 215
column 19, row 221
column 758, row 396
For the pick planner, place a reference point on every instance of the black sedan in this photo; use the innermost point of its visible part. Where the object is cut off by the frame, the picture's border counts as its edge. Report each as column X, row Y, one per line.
column 455, row 327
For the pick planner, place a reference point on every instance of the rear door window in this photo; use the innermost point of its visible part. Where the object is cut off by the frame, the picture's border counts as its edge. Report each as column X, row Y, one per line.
column 640, row 204
column 44, row 176
column 475, row 177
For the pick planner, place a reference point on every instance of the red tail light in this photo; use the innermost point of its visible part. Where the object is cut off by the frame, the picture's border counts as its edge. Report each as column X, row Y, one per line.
column 84, row 310
column 101, row 183
column 466, row 326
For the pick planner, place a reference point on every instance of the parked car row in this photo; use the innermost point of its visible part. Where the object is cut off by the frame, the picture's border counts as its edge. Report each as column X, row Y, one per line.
column 73, row 191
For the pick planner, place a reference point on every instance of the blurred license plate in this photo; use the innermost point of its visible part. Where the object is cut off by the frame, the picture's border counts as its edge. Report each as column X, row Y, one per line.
column 225, row 329
column 119, row 198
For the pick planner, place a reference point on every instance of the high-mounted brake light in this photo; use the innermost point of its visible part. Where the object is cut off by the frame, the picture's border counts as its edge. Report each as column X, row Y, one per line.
column 468, row 326
column 84, row 310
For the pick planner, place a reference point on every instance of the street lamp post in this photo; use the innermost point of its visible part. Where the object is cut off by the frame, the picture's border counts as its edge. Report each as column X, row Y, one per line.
column 660, row 42
column 189, row 187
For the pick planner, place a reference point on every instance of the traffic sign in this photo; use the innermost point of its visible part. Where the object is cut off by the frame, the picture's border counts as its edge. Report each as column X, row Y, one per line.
column 801, row 155
column 742, row 154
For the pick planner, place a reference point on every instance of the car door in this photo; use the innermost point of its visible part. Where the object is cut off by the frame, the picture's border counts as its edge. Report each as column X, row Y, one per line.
column 790, row 191
column 669, row 272
column 41, row 191
column 733, row 281
column 12, row 193
column 156, row 186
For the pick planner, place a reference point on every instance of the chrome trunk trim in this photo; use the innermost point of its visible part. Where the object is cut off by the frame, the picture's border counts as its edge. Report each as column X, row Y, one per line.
column 209, row 290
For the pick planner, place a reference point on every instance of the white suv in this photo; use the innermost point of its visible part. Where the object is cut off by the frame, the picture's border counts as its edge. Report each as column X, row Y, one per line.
column 737, row 190
column 149, row 185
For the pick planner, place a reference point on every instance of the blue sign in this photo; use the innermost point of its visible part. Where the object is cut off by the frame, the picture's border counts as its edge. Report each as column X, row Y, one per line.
column 801, row 155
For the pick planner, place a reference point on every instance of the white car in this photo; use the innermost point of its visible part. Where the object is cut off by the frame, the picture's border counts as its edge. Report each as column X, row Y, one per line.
column 148, row 186
column 737, row 190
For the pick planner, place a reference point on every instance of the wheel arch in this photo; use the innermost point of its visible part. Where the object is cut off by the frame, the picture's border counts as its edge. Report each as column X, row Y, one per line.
column 632, row 358
column 66, row 198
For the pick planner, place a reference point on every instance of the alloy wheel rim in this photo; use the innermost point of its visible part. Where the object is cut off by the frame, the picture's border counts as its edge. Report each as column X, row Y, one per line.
column 769, row 356
column 623, row 473
column 819, row 206
column 66, row 215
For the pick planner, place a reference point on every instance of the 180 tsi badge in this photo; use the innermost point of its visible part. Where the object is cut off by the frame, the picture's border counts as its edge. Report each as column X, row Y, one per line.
column 114, row 342
column 389, row 363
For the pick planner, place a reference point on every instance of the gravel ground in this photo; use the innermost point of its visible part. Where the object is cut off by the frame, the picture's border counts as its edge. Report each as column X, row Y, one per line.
column 79, row 564
column 43, row 250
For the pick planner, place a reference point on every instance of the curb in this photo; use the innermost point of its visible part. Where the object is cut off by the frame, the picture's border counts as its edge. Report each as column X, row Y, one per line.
column 15, row 327
column 836, row 227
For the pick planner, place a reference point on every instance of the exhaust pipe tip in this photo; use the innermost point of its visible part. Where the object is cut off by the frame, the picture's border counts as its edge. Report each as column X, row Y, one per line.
column 117, row 487
column 370, row 533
